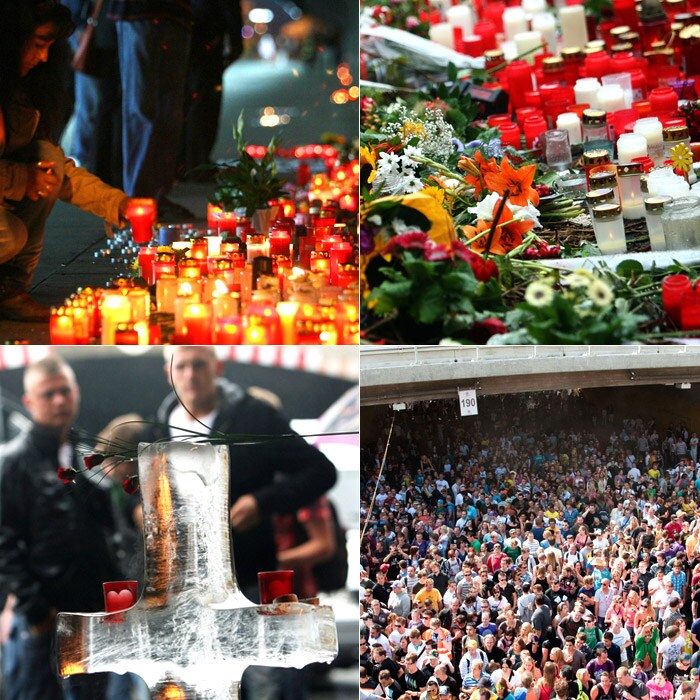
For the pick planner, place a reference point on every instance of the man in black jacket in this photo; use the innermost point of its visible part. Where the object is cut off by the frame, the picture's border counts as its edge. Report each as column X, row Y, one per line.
column 58, row 542
column 275, row 476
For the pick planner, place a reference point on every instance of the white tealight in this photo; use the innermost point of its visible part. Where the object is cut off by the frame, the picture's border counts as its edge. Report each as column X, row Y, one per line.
column 569, row 121
column 572, row 20
column 514, row 22
column 546, row 25
column 586, row 92
column 528, row 41
column 611, row 98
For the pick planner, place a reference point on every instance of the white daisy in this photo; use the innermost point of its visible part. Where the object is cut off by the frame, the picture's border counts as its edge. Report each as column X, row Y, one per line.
column 600, row 293
column 539, row 294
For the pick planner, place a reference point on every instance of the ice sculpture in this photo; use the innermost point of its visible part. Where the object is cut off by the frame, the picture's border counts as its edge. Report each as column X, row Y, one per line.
column 192, row 633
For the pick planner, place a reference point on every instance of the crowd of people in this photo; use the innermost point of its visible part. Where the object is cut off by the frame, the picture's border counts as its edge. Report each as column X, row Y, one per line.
column 548, row 552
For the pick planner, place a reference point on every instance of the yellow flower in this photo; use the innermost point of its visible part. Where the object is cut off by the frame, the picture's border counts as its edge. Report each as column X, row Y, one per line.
column 600, row 293
column 539, row 294
column 369, row 157
column 412, row 129
column 682, row 157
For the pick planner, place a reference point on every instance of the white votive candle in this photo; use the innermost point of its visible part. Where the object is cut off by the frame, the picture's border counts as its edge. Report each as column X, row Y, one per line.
column 586, row 92
column 442, row 33
column 533, row 7
column 461, row 16
column 527, row 41
column 652, row 130
column 514, row 22
column 572, row 20
column 569, row 121
column 546, row 25
column 611, row 98
column 631, row 146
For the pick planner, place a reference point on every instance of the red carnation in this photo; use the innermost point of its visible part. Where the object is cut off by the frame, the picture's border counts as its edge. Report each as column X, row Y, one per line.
column 67, row 474
column 483, row 270
column 131, row 484
column 93, row 460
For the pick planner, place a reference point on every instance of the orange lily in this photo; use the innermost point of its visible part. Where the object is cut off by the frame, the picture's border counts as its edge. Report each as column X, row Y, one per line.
column 506, row 236
column 476, row 170
column 517, row 182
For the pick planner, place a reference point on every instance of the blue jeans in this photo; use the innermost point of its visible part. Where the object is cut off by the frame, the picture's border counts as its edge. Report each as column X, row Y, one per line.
column 153, row 62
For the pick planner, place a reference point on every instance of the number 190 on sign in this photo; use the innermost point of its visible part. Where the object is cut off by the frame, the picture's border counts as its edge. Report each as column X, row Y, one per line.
column 467, row 402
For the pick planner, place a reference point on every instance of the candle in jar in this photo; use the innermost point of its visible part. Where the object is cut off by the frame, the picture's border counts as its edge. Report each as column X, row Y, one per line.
column 572, row 20
column 569, row 121
column 228, row 331
column 225, row 305
column 280, row 240
column 256, row 246
column 514, row 22
column 545, row 24
column 61, row 330
column 526, row 42
column 115, row 309
column 166, row 291
column 340, row 253
column 213, row 212
column 609, row 229
column 442, row 33
column 213, row 245
column 461, row 16
column 146, row 258
column 534, row 7
column 142, row 214
column 654, row 209
column 81, row 324
column 196, row 320
column 586, row 91
column 631, row 146
column 672, row 290
column 287, row 311
column 652, row 130
column 611, row 98
column 346, row 275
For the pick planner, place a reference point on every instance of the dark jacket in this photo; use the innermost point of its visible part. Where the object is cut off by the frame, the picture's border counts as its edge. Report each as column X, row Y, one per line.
column 283, row 475
column 57, row 541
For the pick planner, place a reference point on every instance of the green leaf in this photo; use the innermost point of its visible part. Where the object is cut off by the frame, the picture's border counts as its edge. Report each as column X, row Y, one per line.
column 430, row 305
column 627, row 268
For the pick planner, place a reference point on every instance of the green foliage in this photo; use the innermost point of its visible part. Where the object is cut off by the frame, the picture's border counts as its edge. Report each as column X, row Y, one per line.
column 248, row 182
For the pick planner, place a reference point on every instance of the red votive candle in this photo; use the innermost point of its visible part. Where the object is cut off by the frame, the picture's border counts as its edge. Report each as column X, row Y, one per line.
column 519, row 75
column 280, row 239
column 510, row 134
column 672, row 290
column 473, row 45
column 690, row 310
column 533, row 127
column 119, row 595
column 273, row 584
column 486, row 29
column 142, row 215
column 146, row 258
column 663, row 99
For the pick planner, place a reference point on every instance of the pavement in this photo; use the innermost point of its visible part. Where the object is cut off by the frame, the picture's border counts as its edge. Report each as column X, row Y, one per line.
column 76, row 252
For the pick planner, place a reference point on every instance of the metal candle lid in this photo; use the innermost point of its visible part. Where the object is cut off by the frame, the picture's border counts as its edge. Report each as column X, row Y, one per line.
column 676, row 133
column 599, row 156
column 644, row 184
column 623, row 29
column 605, row 179
column 571, row 53
column 597, row 44
column 657, row 203
column 552, row 63
column 625, row 47
column 629, row 169
column 594, row 117
column 600, row 196
column 606, row 211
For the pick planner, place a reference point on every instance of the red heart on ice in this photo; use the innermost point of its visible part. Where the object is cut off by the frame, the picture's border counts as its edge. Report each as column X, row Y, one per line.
column 119, row 600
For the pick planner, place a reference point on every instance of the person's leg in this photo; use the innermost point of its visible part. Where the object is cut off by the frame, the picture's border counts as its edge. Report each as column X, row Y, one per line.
column 19, row 270
column 29, row 673
column 153, row 63
column 86, row 127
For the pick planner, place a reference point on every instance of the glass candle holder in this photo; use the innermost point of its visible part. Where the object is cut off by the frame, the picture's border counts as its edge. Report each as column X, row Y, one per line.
column 681, row 222
column 119, row 595
column 61, row 328
column 690, row 310
column 605, row 179
column 596, row 197
column 631, row 146
column 592, row 159
column 654, row 208
column 273, row 584
column 534, row 126
column 557, row 149
column 672, row 290
column 595, row 126
column 652, row 130
column 572, row 123
column 628, row 175
column 609, row 229
column 142, row 214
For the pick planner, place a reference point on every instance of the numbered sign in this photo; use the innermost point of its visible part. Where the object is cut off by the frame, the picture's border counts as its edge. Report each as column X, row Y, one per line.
column 467, row 402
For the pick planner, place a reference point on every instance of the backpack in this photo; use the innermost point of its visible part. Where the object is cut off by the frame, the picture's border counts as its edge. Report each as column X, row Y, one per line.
column 332, row 574
column 581, row 695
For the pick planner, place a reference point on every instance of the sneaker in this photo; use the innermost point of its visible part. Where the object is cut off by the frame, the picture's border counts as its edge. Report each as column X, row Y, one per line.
column 172, row 212
column 21, row 307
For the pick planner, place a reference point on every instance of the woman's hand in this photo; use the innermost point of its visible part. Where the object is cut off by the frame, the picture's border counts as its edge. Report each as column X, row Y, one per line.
column 41, row 179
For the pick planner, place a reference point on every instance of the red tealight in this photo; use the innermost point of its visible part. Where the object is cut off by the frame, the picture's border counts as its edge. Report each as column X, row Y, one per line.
column 672, row 290
column 273, row 584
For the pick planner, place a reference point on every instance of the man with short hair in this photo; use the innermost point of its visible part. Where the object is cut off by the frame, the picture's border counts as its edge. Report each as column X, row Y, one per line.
column 414, row 679
column 628, row 688
column 58, row 542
